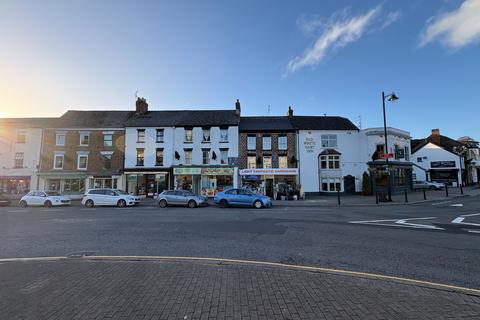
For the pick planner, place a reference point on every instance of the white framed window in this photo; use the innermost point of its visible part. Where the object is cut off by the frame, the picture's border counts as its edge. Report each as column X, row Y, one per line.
column 419, row 159
column 283, row 162
column 267, row 162
column 188, row 135
column 108, row 140
column 331, row 162
column 282, row 143
column 58, row 160
column 82, row 161
column 21, row 137
column 223, row 156
column 329, row 140
column 206, row 156
column 140, row 157
column 107, row 160
column 251, row 142
column 60, row 138
column 159, row 157
column 84, row 139
column 330, row 185
column 267, row 143
column 251, row 162
column 140, row 135
column 223, row 134
column 160, row 135
column 206, row 135
column 19, row 159
column 188, row 156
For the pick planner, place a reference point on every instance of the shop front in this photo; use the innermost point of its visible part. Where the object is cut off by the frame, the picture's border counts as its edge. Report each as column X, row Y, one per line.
column 206, row 181
column 14, row 185
column 147, row 184
column 445, row 171
column 274, row 182
column 68, row 184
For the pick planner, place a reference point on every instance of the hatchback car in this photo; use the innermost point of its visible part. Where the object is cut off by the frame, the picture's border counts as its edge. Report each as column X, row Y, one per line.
column 242, row 197
column 108, row 197
column 180, row 198
column 428, row 185
column 4, row 201
column 44, row 198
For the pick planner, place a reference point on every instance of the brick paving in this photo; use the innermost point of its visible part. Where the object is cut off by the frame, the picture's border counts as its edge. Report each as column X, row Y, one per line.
column 105, row 289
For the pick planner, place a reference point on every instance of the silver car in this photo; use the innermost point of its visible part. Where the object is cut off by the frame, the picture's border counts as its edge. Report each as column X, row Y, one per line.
column 428, row 185
column 180, row 198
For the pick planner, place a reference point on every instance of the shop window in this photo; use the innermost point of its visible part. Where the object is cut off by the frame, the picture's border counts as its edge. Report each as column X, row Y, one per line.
column 58, row 160
column 160, row 135
column 251, row 142
column 330, row 162
column 267, row 143
column 99, row 183
column 19, row 160
column 53, row 185
column 283, row 162
column 329, row 140
column 82, row 162
column 206, row 156
column 188, row 135
column 107, row 140
column 107, row 161
column 282, row 143
column 84, row 139
column 21, row 137
column 419, row 159
column 140, row 135
column 251, row 162
column 223, row 134
column 223, row 156
column 73, row 186
column 188, row 156
column 60, row 139
column 267, row 162
column 206, row 135
column 159, row 157
column 140, row 157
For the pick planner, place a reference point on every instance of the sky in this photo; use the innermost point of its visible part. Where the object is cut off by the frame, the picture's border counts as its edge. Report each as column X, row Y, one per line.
column 329, row 57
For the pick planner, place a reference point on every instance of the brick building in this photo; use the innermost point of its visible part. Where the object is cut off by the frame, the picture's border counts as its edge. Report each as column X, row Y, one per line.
column 82, row 150
column 267, row 155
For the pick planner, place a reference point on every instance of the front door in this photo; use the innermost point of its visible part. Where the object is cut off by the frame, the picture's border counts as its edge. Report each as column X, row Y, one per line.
column 150, row 186
column 269, row 187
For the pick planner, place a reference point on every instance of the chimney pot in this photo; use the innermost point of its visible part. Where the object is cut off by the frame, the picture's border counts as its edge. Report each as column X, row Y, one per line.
column 435, row 132
column 290, row 112
column 237, row 106
column 141, row 106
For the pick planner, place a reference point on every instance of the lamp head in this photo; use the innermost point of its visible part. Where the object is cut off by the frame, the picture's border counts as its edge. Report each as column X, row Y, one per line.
column 392, row 97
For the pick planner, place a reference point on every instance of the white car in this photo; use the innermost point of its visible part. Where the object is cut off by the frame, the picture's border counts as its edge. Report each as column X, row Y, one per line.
column 108, row 197
column 44, row 198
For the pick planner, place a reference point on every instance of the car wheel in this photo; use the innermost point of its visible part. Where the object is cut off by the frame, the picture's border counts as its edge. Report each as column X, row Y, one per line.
column 121, row 203
column 162, row 203
column 192, row 204
column 223, row 203
column 47, row 204
column 89, row 203
column 258, row 204
column 23, row 204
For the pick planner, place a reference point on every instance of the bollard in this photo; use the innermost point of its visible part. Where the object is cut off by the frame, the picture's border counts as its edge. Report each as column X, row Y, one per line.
column 406, row 195
column 424, row 195
column 376, row 198
column 338, row 195
column 461, row 188
column 446, row 190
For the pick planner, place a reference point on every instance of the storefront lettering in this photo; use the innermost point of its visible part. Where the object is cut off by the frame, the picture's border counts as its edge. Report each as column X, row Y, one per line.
column 309, row 145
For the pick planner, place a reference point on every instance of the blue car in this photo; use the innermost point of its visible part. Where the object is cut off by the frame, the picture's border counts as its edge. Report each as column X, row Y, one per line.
column 242, row 197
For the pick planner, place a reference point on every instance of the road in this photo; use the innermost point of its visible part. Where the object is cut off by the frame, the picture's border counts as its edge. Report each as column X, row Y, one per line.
column 443, row 246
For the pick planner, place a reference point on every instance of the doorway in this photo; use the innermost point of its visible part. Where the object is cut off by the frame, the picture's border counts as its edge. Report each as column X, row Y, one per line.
column 269, row 187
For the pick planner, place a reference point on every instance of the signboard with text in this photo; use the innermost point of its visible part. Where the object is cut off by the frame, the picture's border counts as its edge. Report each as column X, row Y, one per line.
column 442, row 164
column 270, row 171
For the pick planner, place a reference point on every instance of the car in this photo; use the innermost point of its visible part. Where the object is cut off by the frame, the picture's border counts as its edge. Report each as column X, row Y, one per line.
column 180, row 198
column 242, row 197
column 428, row 185
column 136, row 198
column 4, row 201
column 108, row 197
column 44, row 198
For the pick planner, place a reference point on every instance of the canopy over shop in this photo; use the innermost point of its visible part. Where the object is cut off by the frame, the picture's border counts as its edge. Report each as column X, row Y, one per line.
column 273, row 182
column 206, row 181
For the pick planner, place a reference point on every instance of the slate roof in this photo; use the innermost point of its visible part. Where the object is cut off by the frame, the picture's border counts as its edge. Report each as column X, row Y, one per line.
column 266, row 123
column 93, row 119
column 442, row 141
column 322, row 123
column 185, row 118
column 27, row 122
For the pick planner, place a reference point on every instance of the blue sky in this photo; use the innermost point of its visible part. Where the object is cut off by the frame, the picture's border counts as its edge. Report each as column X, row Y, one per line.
column 332, row 57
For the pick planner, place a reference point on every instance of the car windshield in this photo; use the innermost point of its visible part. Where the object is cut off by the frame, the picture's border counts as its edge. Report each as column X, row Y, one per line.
column 122, row 192
column 52, row 193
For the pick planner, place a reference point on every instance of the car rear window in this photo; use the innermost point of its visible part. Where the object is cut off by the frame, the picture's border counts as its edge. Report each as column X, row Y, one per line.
column 97, row 191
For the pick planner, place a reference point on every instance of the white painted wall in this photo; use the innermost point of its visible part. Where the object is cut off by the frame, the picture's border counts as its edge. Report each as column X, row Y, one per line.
column 150, row 145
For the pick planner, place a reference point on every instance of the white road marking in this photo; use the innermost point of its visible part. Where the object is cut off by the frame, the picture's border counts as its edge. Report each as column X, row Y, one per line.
column 457, row 205
column 400, row 223
column 14, row 211
column 459, row 220
column 440, row 203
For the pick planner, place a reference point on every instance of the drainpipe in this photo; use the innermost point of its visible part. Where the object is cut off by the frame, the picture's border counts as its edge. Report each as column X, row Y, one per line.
column 40, row 159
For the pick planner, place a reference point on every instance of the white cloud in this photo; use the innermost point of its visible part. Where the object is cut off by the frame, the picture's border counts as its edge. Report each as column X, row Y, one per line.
column 456, row 28
column 341, row 29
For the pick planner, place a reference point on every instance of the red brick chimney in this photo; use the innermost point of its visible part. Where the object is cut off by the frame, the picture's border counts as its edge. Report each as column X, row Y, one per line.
column 141, row 106
column 435, row 135
column 237, row 107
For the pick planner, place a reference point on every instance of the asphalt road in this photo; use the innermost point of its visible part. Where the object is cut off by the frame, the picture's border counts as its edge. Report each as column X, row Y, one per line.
column 443, row 246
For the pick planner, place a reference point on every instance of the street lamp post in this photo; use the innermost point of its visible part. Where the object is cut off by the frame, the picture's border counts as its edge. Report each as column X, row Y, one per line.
column 390, row 97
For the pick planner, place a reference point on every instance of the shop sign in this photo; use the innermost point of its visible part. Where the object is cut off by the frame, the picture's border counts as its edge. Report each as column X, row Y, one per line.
column 233, row 161
column 272, row 171
column 309, row 143
column 217, row 171
column 131, row 177
column 442, row 164
column 187, row 171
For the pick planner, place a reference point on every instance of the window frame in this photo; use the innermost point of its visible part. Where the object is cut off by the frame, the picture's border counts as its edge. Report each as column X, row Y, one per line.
column 18, row 158
column 83, row 135
column 329, row 140
column 206, row 160
column 281, row 144
column 224, row 136
column 140, row 151
column 254, row 162
column 58, row 135
column 55, row 156
column 286, row 161
column 266, row 138
column 222, row 153
column 157, row 135
column 329, row 162
column 108, row 142
column 189, row 158
column 263, row 162
column 107, row 158
column 157, row 163
column 82, row 155
column 208, row 138
column 188, row 138
column 254, row 142
column 141, row 137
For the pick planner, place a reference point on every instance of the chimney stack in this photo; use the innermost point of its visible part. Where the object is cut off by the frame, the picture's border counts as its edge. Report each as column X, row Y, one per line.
column 435, row 132
column 290, row 112
column 435, row 136
column 141, row 106
column 237, row 107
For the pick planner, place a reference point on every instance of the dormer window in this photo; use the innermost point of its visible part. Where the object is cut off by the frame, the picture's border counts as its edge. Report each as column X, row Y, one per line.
column 206, row 135
column 188, row 135
column 224, row 134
